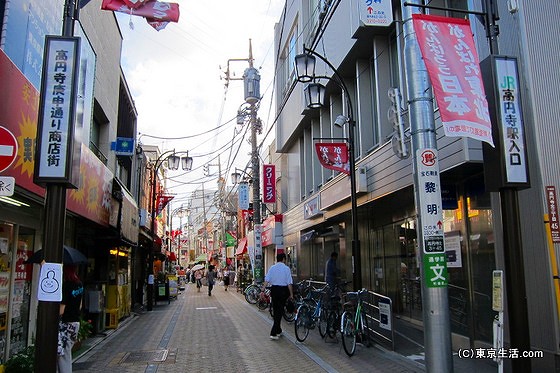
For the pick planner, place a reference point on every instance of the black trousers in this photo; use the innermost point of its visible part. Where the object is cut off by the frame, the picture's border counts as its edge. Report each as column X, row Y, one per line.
column 279, row 295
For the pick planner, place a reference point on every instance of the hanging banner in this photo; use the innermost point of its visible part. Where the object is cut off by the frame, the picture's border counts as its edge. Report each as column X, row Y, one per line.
column 333, row 155
column 156, row 13
column 450, row 56
column 162, row 201
column 269, row 183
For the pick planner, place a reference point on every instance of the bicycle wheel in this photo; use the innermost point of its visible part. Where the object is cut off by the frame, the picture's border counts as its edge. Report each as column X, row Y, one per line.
column 324, row 314
column 288, row 316
column 262, row 303
column 252, row 293
column 302, row 321
column 332, row 323
column 348, row 332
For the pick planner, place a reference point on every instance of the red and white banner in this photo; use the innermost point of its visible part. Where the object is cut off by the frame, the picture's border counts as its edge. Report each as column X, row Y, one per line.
column 450, row 56
column 157, row 13
column 162, row 201
column 269, row 183
column 333, row 155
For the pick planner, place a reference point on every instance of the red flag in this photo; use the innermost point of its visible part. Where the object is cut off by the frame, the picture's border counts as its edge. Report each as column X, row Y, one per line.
column 153, row 11
column 162, row 201
column 333, row 155
column 448, row 50
column 269, row 183
column 133, row 4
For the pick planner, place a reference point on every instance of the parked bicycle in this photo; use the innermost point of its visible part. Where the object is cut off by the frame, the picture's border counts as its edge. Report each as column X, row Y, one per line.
column 263, row 302
column 308, row 315
column 332, row 308
column 353, row 323
column 252, row 293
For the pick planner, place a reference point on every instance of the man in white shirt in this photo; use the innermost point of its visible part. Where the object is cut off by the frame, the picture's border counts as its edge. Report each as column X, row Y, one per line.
column 279, row 277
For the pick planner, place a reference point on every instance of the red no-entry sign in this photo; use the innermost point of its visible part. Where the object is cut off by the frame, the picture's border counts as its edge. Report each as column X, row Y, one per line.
column 8, row 148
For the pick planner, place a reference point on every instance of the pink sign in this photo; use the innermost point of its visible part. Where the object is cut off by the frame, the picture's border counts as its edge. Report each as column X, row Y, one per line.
column 269, row 183
column 450, row 56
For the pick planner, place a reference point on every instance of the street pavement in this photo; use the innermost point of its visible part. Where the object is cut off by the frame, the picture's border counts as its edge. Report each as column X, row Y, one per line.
column 223, row 333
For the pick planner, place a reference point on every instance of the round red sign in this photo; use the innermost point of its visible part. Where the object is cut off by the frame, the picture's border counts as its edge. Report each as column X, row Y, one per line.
column 8, row 148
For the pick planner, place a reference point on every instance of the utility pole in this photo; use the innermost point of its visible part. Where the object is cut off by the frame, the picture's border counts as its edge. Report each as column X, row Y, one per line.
column 435, row 304
column 251, row 82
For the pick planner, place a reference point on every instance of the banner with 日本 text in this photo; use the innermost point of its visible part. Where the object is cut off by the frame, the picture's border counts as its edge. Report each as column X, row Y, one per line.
column 333, row 155
column 451, row 58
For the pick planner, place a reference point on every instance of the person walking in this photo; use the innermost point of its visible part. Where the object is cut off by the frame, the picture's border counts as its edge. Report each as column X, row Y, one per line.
column 198, row 278
column 279, row 277
column 210, row 278
column 69, row 310
column 226, row 278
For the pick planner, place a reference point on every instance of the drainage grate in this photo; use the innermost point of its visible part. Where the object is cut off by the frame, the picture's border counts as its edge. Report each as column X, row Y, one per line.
column 156, row 356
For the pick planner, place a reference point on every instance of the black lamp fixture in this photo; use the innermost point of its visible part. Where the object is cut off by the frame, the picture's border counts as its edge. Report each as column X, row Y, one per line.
column 174, row 160
column 240, row 176
column 314, row 95
column 305, row 67
column 314, row 98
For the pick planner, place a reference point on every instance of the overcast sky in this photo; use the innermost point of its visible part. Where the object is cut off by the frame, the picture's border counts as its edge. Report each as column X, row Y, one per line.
column 174, row 77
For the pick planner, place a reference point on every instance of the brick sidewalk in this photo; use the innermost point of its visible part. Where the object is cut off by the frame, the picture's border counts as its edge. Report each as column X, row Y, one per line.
column 223, row 333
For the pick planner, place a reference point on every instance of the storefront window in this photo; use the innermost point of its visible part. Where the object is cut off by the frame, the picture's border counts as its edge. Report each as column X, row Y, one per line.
column 291, row 259
column 6, row 242
column 21, row 295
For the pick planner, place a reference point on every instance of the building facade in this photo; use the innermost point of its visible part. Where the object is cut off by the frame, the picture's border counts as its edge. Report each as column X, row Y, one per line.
column 102, row 213
column 316, row 201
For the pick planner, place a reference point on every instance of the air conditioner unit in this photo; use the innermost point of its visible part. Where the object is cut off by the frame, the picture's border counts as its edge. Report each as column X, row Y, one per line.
column 361, row 180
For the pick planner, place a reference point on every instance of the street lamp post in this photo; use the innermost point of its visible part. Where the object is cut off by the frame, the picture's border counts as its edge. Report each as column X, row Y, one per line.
column 173, row 163
column 314, row 96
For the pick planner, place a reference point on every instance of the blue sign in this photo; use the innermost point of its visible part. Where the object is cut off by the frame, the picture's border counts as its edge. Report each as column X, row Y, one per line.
column 123, row 146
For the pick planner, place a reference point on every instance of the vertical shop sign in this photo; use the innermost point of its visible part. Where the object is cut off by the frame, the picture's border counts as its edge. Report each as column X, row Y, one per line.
column 243, row 196
column 269, row 183
column 552, row 203
column 56, row 111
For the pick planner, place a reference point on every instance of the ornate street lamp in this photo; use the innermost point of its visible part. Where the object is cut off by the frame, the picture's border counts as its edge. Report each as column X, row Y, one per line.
column 173, row 162
column 314, row 95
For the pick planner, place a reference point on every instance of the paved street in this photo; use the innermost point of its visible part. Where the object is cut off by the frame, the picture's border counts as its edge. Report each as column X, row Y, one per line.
column 223, row 333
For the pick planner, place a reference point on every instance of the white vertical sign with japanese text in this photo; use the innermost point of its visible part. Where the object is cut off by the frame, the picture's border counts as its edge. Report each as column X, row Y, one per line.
column 511, row 120
column 56, row 110
column 430, row 200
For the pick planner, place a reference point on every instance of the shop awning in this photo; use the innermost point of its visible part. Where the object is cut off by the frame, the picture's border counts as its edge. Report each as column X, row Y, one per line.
column 242, row 247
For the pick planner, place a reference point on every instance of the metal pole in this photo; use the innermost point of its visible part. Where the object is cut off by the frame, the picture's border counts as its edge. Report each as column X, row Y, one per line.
column 437, row 331
column 518, row 313
column 356, row 246
column 258, row 270
column 53, row 242
column 150, row 289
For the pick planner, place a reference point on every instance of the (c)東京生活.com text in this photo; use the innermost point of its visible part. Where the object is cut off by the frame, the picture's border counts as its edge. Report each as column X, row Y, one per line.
column 497, row 353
